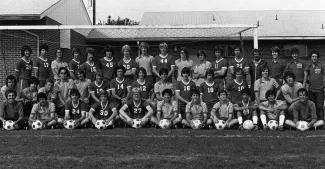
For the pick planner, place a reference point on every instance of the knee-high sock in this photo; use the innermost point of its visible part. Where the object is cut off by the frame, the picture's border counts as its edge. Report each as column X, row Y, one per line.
column 255, row 119
column 240, row 120
column 263, row 119
column 281, row 120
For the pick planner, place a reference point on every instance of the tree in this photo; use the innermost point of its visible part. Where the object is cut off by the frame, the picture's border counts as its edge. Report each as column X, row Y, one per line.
column 118, row 21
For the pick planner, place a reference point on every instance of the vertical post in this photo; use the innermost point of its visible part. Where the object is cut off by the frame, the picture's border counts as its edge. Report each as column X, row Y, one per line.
column 242, row 44
column 255, row 38
column 94, row 12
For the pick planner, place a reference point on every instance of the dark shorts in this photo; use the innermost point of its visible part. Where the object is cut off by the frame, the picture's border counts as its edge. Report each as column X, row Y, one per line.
column 182, row 110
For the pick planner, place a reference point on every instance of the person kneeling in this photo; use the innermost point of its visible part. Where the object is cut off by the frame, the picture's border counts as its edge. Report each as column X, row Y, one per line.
column 139, row 110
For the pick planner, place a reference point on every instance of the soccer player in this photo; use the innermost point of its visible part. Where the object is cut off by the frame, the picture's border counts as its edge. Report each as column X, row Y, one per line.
column 223, row 110
column 296, row 66
column 103, row 111
column 74, row 64
column 239, row 62
column 315, row 71
column 42, row 65
column 129, row 64
column 145, row 60
column 276, row 65
column 209, row 91
column 163, row 60
column 43, row 111
column 220, row 67
column 138, row 109
column 97, row 86
column 196, row 110
column 183, row 90
column 12, row 110
column 182, row 62
column 120, row 87
column 290, row 88
column 304, row 110
column 167, row 109
column 146, row 87
column 199, row 71
column 11, row 84
column 108, row 64
column 75, row 109
column 235, row 86
column 163, row 84
column 90, row 67
column 246, row 109
column 272, row 109
column 24, row 67
column 29, row 96
column 58, row 63
column 82, row 85
column 49, row 90
column 262, row 85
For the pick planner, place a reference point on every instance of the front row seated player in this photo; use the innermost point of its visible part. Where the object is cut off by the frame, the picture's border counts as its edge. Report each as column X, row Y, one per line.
column 304, row 110
column 137, row 109
column 246, row 109
column 272, row 109
column 223, row 110
column 12, row 110
column 167, row 109
column 44, row 111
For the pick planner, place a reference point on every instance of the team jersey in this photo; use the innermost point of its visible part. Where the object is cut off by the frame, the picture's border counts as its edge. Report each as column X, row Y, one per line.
column 55, row 65
column 108, row 68
column 11, row 111
column 64, row 89
column 74, row 66
column 98, row 87
column 218, row 65
column 197, row 110
column 275, row 114
column 248, row 115
column 29, row 95
column 83, row 87
column 185, row 90
column 50, row 95
column 145, row 88
column 315, row 74
column 167, row 109
column 128, row 65
column 44, row 68
column 120, row 87
column 146, row 63
column 137, row 111
column 235, row 88
column 180, row 64
column 90, row 70
column 209, row 94
column 160, row 87
column 223, row 110
column 163, row 62
column 25, row 68
column 75, row 110
column 297, row 67
column 241, row 63
column 43, row 113
column 102, row 112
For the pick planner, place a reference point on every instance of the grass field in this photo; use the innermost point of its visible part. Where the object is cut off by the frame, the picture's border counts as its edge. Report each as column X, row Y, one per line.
column 155, row 148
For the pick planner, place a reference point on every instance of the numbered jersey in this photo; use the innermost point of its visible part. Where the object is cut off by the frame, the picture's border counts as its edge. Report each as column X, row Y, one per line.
column 102, row 112
column 218, row 65
column 90, row 70
column 235, row 88
column 74, row 66
column 163, row 62
column 44, row 68
column 209, row 94
column 75, row 110
column 137, row 111
column 145, row 87
column 25, row 68
column 241, row 63
column 108, row 66
column 97, row 88
column 128, row 65
column 120, row 87
column 185, row 90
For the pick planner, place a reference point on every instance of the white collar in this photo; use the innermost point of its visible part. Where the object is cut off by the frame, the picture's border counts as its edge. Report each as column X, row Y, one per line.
column 119, row 81
column 107, row 59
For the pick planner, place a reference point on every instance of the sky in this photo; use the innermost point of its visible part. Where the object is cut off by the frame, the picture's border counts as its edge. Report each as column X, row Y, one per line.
column 134, row 9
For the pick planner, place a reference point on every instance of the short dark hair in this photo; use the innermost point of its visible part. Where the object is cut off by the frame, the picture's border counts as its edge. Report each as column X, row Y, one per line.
column 163, row 70
column 195, row 91
column 66, row 70
column 246, row 91
column 109, row 48
column 201, row 52
column 25, row 47
column 187, row 53
column 186, row 70
column 144, row 44
column 276, row 49
column 238, row 47
column 90, row 50
column 56, row 51
column 11, row 77
column 314, row 52
column 265, row 68
column 239, row 70
column 302, row 90
column 76, row 50
column 118, row 68
column 81, row 72
column 169, row 91
column 256, row 51
column 209, row 72
column 294, row 50
column 10, row 91
column 143, row 70
column 49, row 80
column 41, row 95
column 103, row 92
column 33, row 80
column 43, row 46
column 289, row 73
column 269, row 93
column 74, row 91
column 218, row 48
column 223, row 91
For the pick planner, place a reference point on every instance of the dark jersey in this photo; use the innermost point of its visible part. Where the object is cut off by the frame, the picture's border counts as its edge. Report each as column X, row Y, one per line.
column 209, row 94
column 120, row 87
column 97, row 88
column 248, row 114
column 25, row 68
column 44, row 68
column 137, row 111
column 90, row 70
column 107, row 67
column 128, row 65
column 185, row 90
column 163, row 62
column 145, row 87
column 75, row 111
column 102, row 112
column 235, row 88
column 74, row 66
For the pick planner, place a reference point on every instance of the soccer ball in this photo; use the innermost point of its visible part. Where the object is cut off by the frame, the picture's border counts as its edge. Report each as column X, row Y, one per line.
column 273, row 124
column 196, row 124
column 69, row 124
column 100, row 124
column 37, row 125
column 302, row 125
column 164, row 124
column 136, row 123
column 248, row 125
column 220, row 125
column 9, row 125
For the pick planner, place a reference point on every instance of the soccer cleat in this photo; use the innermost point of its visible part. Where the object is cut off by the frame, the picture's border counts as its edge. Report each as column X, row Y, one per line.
column 265, row 127
column 255, row 127
column 280, row 128
column 240, row 127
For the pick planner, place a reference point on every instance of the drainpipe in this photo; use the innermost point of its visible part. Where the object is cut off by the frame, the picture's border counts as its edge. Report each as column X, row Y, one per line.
column 37, row 37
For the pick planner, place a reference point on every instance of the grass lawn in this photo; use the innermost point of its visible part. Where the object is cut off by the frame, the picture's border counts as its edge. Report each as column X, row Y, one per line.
column 155, row 148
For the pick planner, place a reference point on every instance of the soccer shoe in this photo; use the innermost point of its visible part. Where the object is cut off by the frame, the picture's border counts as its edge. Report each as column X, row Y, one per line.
column 280, row 128
column 241, row 127
column 265, row 127
column 255, row 127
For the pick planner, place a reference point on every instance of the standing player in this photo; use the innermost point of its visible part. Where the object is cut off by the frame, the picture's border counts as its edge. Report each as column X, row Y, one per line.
column 145, row 87
column 296, row 66
column 272, row 109
column 199, row 72
column 42, row 68
column 162, row 84
column 138, row 109
column 82, row 85
column 108, row 64
column 182, row 62
column 315, row 71
column 97, row 86
column 209, row 91
column 90, row 67
column 163, row 60
column 276, row 65
column 196, row 110
column 220, row 67
column 183, row 90
column 120, row 87
column 239, row 62
column 129, row 64
column 58, row 63
column 246, row 109
column 24, row 67
column 74, row 64
column 145, row 60
column 235, row 86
